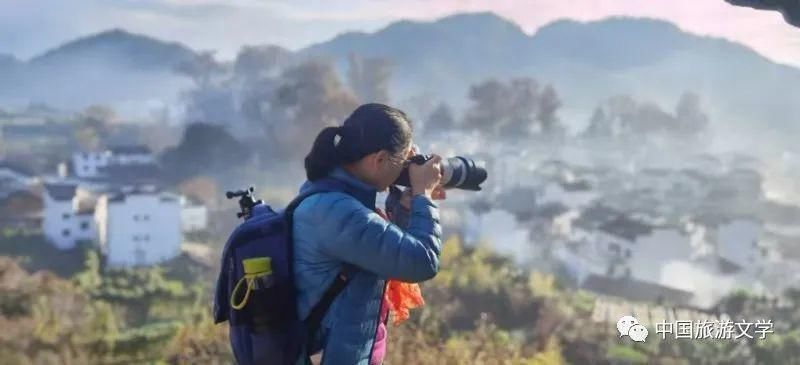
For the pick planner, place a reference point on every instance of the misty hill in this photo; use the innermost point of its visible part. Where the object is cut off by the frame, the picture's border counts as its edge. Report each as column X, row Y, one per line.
column 118, row 48
column 114, row 67
column 586, row 62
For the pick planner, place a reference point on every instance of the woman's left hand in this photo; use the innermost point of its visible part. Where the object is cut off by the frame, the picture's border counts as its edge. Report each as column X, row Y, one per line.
column 439, row 193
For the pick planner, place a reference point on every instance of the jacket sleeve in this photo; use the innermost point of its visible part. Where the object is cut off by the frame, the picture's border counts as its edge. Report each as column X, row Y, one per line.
column 353, row 233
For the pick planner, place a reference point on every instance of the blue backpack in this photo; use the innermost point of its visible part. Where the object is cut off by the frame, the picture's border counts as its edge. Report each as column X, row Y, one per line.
column 264, row 328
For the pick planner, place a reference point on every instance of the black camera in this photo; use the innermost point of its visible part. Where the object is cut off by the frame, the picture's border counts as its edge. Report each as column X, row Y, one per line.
column 457, row 172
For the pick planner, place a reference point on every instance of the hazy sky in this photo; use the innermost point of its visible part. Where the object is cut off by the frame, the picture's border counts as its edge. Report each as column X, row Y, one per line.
column 28, row 27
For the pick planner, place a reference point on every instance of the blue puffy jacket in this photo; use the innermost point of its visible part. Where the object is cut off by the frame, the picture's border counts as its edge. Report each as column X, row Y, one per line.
column 333, row 228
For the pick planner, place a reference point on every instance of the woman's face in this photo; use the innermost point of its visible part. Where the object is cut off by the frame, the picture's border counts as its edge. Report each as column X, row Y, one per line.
column 386, row 167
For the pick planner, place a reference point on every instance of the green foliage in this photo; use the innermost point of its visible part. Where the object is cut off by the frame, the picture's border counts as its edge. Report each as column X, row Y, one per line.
column 627, row 354
column 205, row 149
column 35, row 253
column 480, row 309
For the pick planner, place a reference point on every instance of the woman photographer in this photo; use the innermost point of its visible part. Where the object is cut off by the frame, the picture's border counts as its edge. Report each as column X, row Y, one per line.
column 332, row 230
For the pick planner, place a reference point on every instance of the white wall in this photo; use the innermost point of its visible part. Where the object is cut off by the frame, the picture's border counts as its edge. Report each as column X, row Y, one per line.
column 132, row 159
column 555, row 193
column 706, row 286
column 501, row 231
column 141, row 230
column 604, row 245
column 194, row 218
column 58, row 222
column 652, row 253
column 85, row 227
column 101, row 223
column 737, row 241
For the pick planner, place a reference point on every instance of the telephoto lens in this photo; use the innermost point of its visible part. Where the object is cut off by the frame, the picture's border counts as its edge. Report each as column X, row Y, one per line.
column 457, row 172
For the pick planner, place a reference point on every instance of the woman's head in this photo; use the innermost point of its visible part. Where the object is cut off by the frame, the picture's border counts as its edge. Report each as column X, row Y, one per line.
column 373, row 143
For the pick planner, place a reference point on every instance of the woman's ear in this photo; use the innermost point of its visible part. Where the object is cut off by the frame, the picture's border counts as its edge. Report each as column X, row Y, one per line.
column 381, row 156
column 372, row 161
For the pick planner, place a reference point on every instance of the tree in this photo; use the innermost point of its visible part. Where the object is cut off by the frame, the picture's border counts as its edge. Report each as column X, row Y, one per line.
column 94, row 126
column 441, row 120
column 549, row 102
column 521, row 109
column 691, row 120
column 309, row 98
column 369, row 78
column 621, row 114
column 204, row 150
column 599, row 125
column 623, row 117
column 650, row 119
column 203, row 68
column 488, row 106
column 517, row 109
column 255, row 62
column 203, row 188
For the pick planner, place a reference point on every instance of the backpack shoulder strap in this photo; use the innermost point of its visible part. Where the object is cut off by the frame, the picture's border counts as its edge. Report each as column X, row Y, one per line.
column 317, row 313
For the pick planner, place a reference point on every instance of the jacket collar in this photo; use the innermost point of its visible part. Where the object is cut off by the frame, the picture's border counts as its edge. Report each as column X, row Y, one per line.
column 353, row 186
column 363, row 192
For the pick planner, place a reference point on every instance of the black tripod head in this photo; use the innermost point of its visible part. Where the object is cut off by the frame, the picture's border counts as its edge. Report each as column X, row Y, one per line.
column 246, row 201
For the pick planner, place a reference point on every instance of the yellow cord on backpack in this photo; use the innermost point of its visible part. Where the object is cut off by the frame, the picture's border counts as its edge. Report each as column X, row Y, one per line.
column 253, row 268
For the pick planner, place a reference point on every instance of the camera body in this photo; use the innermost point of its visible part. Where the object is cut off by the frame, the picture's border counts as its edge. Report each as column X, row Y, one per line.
column 457, row 172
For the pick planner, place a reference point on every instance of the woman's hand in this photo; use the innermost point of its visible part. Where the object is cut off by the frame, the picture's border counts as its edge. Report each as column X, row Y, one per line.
column 438, row 193
column 425, row 178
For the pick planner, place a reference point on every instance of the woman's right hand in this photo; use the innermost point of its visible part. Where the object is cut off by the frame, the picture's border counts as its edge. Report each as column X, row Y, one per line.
column 425, row 178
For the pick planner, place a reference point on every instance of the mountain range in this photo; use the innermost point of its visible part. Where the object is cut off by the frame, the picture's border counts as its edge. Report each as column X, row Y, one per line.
column 586, row 62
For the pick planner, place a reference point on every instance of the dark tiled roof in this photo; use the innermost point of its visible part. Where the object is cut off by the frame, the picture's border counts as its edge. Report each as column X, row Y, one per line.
column 36, row 130
column 119, row 194
column 550, row 210
column 61, row 191
column 167, row 198
column 711, row 220
column 636, row 290
column 580, row 185
column 626, row 228
column 130, row 150
column 116, row 197
column 192, row 200
column 595, row 215
column 728, row 267
column 16, row 168
column 127, row 174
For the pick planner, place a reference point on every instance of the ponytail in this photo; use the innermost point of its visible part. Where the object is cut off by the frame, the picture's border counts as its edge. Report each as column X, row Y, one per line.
column 369, row 129
column 323, row 157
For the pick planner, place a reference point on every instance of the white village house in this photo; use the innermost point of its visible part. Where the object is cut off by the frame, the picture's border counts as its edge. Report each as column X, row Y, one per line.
column 573, row 194
column 116, row 165
column 133, row 226
column 113, row 200
column 138, row 226
column 59, row 221
column 194, row 215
